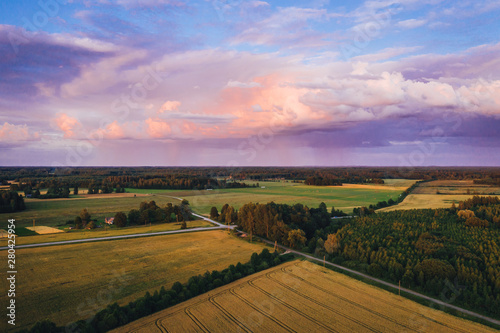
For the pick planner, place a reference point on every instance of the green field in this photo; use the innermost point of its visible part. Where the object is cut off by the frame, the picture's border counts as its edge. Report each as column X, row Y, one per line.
column 71, row 282
column 344, row 197
column 55, row 212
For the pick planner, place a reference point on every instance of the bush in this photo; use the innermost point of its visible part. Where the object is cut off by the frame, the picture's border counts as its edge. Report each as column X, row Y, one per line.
column 217, row 283
column 264, row 265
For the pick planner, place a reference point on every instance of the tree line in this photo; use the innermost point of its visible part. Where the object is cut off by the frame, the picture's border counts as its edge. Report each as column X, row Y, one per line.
column 114, row 316
column 83, row 176
column 148, row 212
column 11, row 201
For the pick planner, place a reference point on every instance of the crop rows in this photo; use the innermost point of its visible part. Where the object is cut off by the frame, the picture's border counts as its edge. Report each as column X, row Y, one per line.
column 299, row 297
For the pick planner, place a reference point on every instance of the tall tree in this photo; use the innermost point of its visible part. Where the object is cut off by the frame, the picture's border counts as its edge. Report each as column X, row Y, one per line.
column 296, row 238
column 85, row 215
column 214, row 213
column 120, row 220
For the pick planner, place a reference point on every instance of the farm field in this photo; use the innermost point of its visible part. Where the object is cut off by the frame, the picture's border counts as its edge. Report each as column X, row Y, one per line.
column 71, row 282
column 83, row 234
column 55, row 212
column 344, row 197
column 43, row 230
column 457, row 187
column 442, row 194
column 301, row 296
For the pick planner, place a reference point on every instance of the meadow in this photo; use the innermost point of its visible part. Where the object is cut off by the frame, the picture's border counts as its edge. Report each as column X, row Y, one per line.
column 71, row 282
column 344, row 197
column 442, row 194
column 301, row 296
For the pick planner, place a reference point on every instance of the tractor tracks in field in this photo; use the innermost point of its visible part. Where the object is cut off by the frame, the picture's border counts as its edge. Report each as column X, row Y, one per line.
column 364, row 307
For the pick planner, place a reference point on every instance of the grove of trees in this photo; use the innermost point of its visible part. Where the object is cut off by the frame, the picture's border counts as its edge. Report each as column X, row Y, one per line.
column 11, row 201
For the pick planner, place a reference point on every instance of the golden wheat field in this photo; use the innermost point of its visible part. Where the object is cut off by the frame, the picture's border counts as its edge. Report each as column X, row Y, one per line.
column 442, row 194
column 301, row 297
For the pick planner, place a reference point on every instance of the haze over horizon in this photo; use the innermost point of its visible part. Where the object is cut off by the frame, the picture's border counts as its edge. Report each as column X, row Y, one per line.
column 249, row 83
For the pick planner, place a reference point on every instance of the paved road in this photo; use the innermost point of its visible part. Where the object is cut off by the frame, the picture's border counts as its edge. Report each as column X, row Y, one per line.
column 96, row 239
column 197, row 215
column 441, row 303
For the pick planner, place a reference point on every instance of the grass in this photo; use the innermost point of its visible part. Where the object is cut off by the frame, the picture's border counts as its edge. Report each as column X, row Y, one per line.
column 301, row 296
column 23, row 232
column 57, row 212
column 34, row 238
column 344, row 197
column 71, row 282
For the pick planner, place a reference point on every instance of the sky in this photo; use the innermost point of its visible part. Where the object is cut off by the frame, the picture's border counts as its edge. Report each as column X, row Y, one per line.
column 244, row 83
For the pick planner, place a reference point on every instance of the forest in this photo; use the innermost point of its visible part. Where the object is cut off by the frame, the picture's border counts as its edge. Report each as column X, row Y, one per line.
column 206, row 177
column 452, row 253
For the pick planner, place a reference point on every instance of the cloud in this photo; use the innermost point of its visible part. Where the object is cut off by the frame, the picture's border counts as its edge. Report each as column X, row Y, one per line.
column 157, row 128
column 69, row 125
column 386, row 54
column 169, row 106
column 288, row 26
column 411, row 23
column 16, row 133
column 144, row 3
column 113, row 131
column 237, row 84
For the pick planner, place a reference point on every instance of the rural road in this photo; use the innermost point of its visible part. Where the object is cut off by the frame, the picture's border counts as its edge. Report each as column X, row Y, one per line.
column 441, row 303
column 85, row 240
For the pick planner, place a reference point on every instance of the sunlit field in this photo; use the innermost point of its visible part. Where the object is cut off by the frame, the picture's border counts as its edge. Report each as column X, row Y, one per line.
column 301, row 297
column 442, row 194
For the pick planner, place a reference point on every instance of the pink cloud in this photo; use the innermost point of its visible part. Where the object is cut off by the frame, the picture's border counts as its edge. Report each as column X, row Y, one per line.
column 112, row 131
column 157, row 128
column 15, row 133
column 169, row 106
column 68, row 125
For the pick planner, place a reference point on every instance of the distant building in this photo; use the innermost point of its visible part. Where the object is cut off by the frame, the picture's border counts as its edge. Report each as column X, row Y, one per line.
column 109, row 221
